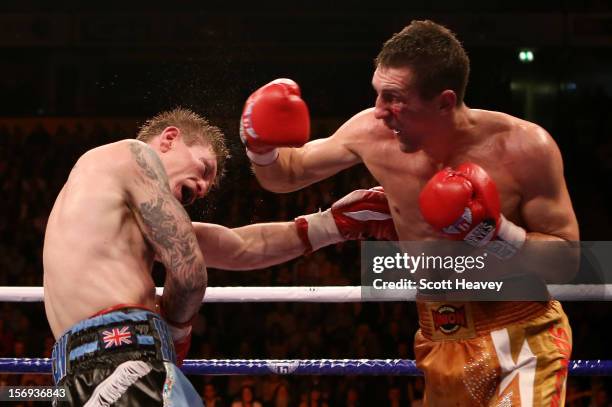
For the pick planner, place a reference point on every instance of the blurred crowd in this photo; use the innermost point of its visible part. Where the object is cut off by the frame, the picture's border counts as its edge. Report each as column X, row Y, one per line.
column 34, row 163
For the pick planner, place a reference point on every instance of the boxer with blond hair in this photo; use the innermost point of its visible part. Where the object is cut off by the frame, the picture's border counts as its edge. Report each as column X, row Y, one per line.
column 122, row 208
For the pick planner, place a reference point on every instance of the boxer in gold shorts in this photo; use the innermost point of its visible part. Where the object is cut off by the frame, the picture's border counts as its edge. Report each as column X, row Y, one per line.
column 493, row 353
column 449, row 172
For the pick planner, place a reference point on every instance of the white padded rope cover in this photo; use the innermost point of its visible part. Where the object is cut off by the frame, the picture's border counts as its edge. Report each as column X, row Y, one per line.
column 585, row 292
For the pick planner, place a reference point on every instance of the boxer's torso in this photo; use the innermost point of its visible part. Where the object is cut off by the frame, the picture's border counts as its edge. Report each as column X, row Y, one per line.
column 94, row 254
column 404, row 174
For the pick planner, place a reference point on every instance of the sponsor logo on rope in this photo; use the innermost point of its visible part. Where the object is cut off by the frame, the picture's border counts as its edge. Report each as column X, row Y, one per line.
column 283, row 367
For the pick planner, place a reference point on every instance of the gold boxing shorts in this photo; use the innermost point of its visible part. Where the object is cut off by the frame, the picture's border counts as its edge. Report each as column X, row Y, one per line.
column 493, row 353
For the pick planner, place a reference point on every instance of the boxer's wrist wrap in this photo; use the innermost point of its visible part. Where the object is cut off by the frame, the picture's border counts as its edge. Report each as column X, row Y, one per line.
column 321, row 229
column 263, row 159
column 509, row 240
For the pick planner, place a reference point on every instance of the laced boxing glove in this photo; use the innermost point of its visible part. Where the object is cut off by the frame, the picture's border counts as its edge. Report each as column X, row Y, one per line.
column 361, row 214
column 463, row 204
column 274, row 116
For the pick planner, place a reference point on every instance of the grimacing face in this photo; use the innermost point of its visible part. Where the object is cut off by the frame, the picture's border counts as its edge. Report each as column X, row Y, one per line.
column 191, row 171
column 401, row 108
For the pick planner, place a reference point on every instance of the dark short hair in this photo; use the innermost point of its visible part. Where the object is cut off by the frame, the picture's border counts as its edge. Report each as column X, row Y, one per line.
column 433, row 53
column 195, row 129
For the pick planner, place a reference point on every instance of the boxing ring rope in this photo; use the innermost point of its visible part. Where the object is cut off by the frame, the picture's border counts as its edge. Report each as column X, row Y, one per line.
column 307, row 366
column 584, row 292
column 342, row 367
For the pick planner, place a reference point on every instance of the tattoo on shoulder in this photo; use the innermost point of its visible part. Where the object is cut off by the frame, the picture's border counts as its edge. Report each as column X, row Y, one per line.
column 149, row 163
column 166, row 224
column 173, row 240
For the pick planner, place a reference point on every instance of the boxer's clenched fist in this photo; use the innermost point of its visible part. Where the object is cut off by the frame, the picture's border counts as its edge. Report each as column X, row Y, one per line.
column 362, row 214
column 463, row 204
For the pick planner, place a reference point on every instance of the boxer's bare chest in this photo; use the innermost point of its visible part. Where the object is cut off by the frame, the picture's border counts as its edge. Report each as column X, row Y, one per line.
column 403, row 175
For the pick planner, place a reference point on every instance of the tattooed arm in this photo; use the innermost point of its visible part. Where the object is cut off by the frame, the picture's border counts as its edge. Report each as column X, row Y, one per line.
column 166, row 226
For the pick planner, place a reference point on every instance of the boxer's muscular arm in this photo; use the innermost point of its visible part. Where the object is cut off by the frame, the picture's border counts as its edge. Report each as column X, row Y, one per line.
column 266, row 244
column 297, row 168
column 166, row 226
column 547, row 210
column 248, row 247
column 546, row 207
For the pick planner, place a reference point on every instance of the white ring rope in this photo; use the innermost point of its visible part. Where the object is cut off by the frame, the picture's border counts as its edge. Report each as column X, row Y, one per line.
column 584, row 292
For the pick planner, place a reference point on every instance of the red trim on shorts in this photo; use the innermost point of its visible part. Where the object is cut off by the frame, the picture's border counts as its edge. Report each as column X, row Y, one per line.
column 120, row 306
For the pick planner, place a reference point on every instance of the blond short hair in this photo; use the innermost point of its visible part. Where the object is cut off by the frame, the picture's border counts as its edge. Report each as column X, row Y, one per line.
column 195, row 129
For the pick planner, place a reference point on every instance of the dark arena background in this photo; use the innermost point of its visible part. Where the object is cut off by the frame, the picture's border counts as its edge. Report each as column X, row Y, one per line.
column 74, row 75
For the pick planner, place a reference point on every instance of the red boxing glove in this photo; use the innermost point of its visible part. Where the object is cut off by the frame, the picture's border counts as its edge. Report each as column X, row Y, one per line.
column 464, row 204
column 274, row 116
column 359, row 215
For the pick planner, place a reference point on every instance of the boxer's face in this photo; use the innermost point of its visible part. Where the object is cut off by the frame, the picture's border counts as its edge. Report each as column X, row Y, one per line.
column 191, row 170
column 401, row 108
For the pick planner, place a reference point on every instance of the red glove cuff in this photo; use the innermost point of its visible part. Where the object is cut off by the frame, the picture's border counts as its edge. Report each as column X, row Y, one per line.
column 318, row 230
column 301, row 225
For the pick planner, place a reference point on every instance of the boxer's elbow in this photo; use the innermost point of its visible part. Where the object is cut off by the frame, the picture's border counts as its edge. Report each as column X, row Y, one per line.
column 570, row 261
column 192, row 277
column 199, row 275
column 560, row 260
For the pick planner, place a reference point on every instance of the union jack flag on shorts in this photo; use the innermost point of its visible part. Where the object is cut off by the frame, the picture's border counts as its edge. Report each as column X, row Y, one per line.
column 117, row 337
